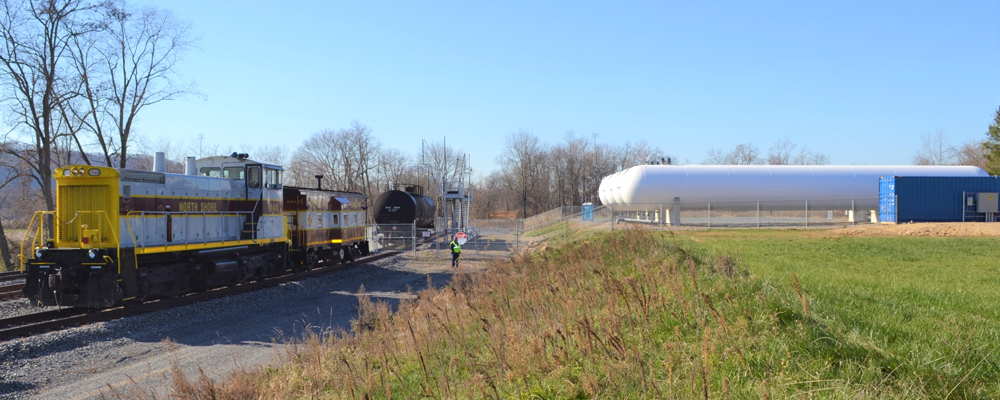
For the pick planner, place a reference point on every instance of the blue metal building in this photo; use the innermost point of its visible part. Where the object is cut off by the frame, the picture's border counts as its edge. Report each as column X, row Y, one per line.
column 937, row 199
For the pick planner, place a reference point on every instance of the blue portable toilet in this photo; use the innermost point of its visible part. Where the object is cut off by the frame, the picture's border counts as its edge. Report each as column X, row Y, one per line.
column 588, row 211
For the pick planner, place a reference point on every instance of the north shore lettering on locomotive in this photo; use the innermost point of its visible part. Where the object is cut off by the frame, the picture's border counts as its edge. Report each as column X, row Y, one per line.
column 125, row 235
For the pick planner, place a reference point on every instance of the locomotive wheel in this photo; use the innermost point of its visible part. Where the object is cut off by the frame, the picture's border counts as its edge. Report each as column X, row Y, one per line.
column 311, row 260
column 174, row 289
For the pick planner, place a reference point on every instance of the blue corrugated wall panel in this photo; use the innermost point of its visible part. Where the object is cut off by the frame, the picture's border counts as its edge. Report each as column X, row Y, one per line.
column 929, row 198
column 887, row 199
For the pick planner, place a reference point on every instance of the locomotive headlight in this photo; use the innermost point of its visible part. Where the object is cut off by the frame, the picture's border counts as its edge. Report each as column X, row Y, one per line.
column 92, row 253
column 39, row 252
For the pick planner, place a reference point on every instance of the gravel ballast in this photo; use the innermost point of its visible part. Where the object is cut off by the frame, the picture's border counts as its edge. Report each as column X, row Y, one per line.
column 219, row 335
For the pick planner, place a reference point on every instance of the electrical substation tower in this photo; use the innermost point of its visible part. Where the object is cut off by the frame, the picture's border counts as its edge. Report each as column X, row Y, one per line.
column 454, row 183
column 458, row 197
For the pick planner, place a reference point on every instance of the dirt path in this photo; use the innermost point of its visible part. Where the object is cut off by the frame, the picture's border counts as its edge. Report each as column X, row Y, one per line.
column 922, row 229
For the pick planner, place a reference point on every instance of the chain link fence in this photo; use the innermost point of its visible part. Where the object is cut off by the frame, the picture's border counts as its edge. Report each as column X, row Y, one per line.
column 482, row 242
column 749, row 214
column 499, row 238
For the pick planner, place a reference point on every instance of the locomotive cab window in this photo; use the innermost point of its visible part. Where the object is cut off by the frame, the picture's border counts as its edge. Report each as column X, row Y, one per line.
column 211, row 171
column 234, row 173
column 273, row 179
column 253, row 177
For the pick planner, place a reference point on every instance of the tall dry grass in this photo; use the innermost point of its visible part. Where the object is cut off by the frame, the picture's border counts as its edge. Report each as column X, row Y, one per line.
column 629, row 314
column 623, row 315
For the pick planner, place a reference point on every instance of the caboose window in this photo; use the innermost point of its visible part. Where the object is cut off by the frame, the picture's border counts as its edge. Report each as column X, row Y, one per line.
column 336, row 220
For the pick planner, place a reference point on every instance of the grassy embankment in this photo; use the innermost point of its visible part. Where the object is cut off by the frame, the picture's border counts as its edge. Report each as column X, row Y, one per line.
column 633, row 314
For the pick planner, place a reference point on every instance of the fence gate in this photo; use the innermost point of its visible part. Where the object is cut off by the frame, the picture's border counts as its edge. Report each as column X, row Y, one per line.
column 394, row 237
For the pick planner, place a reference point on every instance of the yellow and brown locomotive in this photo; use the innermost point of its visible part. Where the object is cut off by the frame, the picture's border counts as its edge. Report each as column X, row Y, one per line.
column 120, row 235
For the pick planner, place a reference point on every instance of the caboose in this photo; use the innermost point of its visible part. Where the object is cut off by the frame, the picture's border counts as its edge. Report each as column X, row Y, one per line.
column 325, row 225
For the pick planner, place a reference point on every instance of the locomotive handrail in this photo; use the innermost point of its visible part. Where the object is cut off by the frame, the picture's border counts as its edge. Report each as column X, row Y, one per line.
column 40, row 232
column 36, row 216
column 255, row 204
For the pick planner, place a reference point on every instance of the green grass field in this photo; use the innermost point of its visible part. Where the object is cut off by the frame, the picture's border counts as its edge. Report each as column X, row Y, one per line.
column 634, row 314
column 922, row 310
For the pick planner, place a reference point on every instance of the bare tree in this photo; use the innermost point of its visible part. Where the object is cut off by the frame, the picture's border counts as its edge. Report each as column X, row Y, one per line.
column 806, row 157
column 394, row 168
column 491, row 199
column 201, row 148
column 34, row 51
column 715, row 157
column 127, row 65
column 743, row 154
column 347, row 158
column 271, row 154
column 12, row 176
column 935, row 149
column 318, row 155
column 520, row 165
column 642, row 152
column 781, row 152
column 568, row 160
column 972, row 153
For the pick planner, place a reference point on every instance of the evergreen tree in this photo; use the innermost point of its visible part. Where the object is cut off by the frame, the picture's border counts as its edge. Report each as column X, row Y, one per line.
column 992, row 146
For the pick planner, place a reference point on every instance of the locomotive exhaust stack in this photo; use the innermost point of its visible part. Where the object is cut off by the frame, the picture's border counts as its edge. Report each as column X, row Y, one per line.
column 160, row 162
column 190, row 167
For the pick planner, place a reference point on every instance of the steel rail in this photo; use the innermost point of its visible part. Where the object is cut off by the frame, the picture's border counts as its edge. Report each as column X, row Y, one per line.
column 33, row 324
column 10, row 292
column 11, row 276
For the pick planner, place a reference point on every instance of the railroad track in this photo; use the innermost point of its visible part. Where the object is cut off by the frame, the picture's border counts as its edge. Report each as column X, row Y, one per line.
column 32, row 324
column 11, row 276
column 11, row 292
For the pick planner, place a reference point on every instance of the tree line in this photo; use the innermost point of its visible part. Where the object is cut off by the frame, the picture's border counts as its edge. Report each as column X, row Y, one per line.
column 534, row 176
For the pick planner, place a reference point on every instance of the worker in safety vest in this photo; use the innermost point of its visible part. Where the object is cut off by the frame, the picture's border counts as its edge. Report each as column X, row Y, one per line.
column 456, row 250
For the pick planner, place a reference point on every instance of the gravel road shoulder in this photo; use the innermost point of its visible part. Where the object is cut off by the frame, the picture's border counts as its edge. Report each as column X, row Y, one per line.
column 218, row 336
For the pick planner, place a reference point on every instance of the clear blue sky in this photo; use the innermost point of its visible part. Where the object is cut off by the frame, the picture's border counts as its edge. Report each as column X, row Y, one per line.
column 860, row 81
